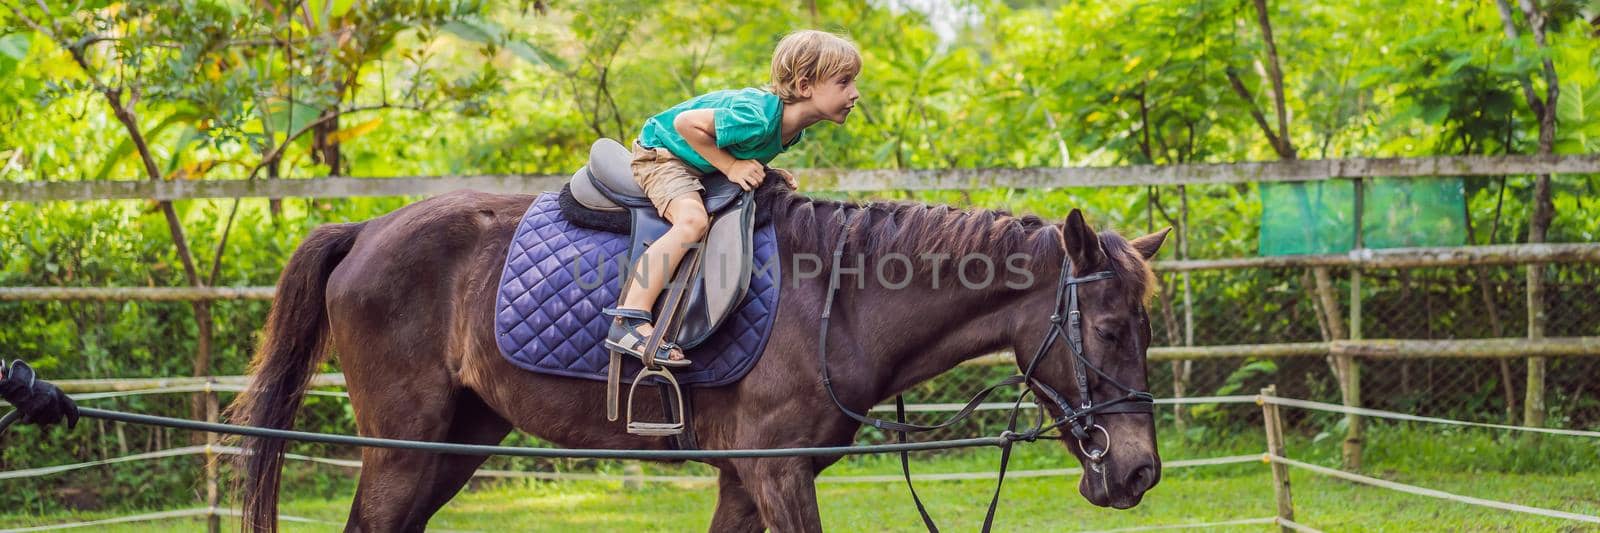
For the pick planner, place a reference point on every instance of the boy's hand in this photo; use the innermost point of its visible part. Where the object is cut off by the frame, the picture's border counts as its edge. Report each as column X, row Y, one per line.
column 746, row 173
column 788, row 178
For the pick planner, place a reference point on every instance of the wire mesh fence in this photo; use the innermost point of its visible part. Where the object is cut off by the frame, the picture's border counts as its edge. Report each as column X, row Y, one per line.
column 1285, row 305
column 1225, row 307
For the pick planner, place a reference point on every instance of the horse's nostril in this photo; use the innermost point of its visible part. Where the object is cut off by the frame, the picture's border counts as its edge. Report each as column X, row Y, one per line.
column 1143, row 478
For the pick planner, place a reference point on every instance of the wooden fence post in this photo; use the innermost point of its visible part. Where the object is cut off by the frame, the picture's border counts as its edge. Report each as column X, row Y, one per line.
column 632, row 476
column 213, row 493
column 1280, row 472
column 1182, row 369
column 1533, row 412
column 1351, row 392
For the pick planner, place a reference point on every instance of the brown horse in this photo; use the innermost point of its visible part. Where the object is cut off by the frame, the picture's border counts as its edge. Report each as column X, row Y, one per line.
column 406, row 300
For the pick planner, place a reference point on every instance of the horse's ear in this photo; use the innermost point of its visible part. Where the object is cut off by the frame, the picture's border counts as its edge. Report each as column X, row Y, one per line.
column 1083, row 246
column 1149, row 245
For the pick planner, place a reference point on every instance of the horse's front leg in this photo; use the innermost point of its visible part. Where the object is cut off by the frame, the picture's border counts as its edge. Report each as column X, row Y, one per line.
column 785, row 492
column 736, row 509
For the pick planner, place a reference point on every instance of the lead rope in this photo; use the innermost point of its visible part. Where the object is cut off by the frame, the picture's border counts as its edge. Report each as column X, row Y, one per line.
column 905, row 464
column 1011, row 422
column 899, row 426
column 827, row 378
column 1066, row 290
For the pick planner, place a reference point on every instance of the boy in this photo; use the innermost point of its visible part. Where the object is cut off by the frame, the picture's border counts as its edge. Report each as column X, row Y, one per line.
column 735, row 132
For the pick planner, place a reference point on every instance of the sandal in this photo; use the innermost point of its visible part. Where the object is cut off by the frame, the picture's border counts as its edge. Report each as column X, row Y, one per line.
column 625, row 337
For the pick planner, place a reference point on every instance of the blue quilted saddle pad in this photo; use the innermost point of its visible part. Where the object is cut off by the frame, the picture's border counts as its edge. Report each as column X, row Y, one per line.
column 547, row 312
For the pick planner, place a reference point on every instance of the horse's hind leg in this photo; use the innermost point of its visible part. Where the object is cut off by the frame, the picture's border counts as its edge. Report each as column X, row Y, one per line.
column 414, row 401
column 400, row 490
column 473, row 423
column 394, row 484
column 736, row 510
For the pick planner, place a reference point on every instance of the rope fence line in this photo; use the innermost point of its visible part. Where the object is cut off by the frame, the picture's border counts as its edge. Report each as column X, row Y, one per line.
column 163, row 515
column 1053, row 472
column 48, row 470
column 74, row 386
column 1375, row 413
column 986, row 406
column 1296, row 526
column 1244, row 522
column 851, row 450
column 574, row 476
column 144, row 386
column 1432, row 493
column 566, row 453
column 991, row 406
column 910, row 408
column 211, row 387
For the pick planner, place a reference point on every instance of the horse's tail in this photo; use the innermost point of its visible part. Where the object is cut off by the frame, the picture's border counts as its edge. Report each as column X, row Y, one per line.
column 294, row 343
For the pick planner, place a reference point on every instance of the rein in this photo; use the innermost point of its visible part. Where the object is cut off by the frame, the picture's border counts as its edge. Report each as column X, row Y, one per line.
column 1065, row 321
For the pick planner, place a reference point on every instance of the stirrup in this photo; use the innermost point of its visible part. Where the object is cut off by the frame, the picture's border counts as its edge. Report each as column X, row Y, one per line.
column 624, row 337
column 666, row 428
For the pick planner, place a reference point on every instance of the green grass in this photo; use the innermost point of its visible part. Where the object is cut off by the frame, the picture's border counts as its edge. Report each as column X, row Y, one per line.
column 1558, row 473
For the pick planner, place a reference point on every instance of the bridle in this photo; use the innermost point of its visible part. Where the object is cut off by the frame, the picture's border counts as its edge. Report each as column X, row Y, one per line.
column 1065, row 321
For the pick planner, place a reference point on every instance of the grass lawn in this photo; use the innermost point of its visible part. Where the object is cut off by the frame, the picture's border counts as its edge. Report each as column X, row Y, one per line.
column 1558, row 474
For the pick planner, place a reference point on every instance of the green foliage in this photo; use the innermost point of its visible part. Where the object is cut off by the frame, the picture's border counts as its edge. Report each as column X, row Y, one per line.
column 230, row 89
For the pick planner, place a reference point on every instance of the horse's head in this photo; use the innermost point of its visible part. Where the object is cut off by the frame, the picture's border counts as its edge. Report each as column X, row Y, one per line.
column 1085, row 334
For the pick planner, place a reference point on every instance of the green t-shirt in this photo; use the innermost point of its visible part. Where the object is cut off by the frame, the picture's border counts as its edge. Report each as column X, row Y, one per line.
column 749, row 125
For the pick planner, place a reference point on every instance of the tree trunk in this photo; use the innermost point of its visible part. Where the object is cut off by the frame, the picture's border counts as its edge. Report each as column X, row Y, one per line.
column 1492, row 311
column 274, row 205
column 202, row 364
column 1287, row 150
column 322, row 150
column 1345, row 368
column 202, row 357
column 1543, row 210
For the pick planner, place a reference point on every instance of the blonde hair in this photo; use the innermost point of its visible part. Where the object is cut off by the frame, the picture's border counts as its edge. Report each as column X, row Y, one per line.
column 814, row 55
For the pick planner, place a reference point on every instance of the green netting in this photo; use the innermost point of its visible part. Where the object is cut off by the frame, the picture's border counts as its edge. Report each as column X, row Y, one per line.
column 1415, row 212
column 1315, row 217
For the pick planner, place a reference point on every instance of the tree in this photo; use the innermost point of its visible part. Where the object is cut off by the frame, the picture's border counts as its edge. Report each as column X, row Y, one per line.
column 1543, row 210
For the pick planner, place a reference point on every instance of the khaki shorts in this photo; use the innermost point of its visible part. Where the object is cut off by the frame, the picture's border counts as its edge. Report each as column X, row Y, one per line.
column 663, row 176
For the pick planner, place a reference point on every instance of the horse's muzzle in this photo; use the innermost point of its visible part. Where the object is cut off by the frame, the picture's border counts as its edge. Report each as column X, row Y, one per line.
column 1119, row 486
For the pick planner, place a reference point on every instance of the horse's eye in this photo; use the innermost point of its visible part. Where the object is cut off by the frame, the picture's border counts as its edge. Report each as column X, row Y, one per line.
column 1106, row 335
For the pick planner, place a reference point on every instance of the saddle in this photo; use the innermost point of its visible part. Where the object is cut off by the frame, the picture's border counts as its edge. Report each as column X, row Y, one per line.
column 606, row 184
column 709, row 283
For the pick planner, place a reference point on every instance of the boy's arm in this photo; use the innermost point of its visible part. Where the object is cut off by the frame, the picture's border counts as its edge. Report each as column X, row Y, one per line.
column 699, row 127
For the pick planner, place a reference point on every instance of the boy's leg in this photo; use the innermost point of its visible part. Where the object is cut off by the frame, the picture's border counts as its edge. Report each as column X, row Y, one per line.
column 674, row 188
column 687, row 213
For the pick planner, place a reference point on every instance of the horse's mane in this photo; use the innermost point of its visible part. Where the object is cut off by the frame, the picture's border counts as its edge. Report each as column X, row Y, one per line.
column 911, row 229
